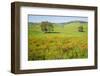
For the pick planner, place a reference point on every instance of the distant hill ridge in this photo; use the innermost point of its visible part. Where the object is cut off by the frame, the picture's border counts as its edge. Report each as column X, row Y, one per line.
column 60, row 23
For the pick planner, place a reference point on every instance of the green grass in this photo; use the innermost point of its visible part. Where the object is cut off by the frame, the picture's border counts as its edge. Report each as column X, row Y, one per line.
column 69, row 43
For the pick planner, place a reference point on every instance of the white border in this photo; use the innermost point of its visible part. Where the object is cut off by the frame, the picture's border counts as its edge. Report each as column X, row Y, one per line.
column 25, row 64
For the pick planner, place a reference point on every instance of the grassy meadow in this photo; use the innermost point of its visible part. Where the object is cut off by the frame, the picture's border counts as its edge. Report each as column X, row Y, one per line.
column 66, row 42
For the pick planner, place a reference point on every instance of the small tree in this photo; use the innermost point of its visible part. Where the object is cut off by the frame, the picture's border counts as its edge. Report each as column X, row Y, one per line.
column 80, row 28
column 44, row 26
column 50, row 27
column 47, row 26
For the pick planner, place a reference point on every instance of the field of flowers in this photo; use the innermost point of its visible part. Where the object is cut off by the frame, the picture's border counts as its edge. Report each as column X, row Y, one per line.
column 68, row 44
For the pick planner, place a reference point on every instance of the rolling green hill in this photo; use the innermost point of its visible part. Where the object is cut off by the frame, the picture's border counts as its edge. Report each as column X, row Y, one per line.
column 70, row 29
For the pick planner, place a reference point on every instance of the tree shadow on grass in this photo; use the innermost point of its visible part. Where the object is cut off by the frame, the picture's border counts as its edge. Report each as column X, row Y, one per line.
column 52, row 32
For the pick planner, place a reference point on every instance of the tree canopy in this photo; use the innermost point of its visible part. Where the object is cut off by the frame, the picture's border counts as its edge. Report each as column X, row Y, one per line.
column 47, row 26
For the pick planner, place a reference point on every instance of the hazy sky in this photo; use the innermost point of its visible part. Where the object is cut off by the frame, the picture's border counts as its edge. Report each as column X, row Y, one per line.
column 55, row 19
